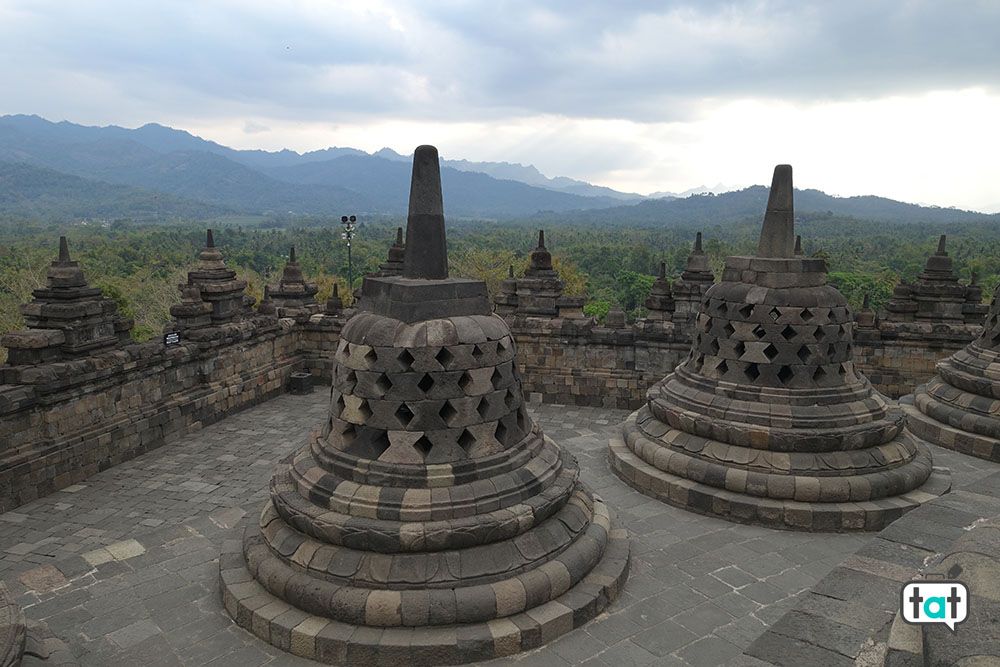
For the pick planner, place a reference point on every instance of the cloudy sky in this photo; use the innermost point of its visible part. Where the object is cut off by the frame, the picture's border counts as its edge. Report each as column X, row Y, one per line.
column 899, row 98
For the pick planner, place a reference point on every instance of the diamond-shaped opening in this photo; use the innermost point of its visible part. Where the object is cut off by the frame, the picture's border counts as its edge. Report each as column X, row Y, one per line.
column 722, row 367
column 819, row 374
column 476, row 352
column 720, row 308
column 371, row 357
column 522, row 419
column 820, row 334
column 788, row 333
column 770, row 352
column 785, row 374
column 348, row 434
column 830, row 350
column 365, row 410
column 739, row 349
column 426, row 382
column 728, row 330
column 510, row 400
column 803, row 354
column 423, row 446
column 483, row 408
column 447, row 412
column 497, row 378
column 500, row 433
column 706, row 324
column 775, row 314
column 502, row 345
column 714, row 346
column 746, row 310
column 466, row 440
column 383, row 384
column 404, row 414
column 406, row 359
column 444, row 357
column 699, row 362
column 465, row 380
column 806, row 315
column 350, row 382
column 842, row 370
column 340, row 405
column 380, row 444
column 751, row 372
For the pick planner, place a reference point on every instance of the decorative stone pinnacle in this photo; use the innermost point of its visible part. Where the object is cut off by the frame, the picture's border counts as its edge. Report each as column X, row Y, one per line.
column 941, row 243
column 866, row 303
column 399, row 236
column 510, row 271
column 663, row 270
column 426, row 252
column 777, row 235
column 291, row 254
column 697, row 242
column 541, row 238
column 63, row 250
column 209, row 239
column 798, row 245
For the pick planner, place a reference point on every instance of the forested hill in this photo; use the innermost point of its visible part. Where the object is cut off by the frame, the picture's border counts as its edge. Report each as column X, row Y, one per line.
column 751, row 202
column 336, row 180
column 43, row 194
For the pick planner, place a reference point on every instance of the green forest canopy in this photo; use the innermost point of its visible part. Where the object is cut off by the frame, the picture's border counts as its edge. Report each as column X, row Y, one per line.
column 140, row 265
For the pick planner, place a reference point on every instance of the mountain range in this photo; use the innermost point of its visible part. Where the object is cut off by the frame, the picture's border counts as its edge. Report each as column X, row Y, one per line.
column 64, row 170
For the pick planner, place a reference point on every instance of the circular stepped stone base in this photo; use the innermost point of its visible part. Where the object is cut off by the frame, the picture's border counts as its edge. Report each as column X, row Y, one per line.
column 931, row 430
column 694, row 496
column 332, row 642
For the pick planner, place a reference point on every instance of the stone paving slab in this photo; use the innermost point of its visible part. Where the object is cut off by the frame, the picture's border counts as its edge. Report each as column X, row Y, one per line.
column 124, row 567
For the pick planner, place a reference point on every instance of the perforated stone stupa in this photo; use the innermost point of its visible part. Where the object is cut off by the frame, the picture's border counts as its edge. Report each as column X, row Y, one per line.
column 429, row 521
column 293, row 296
column 767, row 420
column 67, row 318
column 959, row 408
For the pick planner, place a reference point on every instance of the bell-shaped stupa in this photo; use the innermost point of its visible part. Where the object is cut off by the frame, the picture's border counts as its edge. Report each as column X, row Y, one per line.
column 959, row 408
column 767, row 421
column 429, row 521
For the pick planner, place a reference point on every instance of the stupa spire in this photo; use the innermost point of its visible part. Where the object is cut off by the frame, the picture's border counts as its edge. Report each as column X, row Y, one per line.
column 426, row 253
column 777, row 236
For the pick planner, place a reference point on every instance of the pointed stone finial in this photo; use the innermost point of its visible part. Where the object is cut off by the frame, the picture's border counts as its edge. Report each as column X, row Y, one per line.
column 798, row 245
column 399, row 236
column 291, row 254
column 941, row 242
column 663, row 270
column 426, row 252
column 336, row 292
column 209, row 239
column 63, row 250
column 975, row 278
column 510, row 271
column 777, row 235
column 866, row 303
column 541, row 238
column 697, row 242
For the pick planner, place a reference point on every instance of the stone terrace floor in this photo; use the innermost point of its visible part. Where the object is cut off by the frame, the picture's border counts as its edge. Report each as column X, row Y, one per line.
column 124, row 566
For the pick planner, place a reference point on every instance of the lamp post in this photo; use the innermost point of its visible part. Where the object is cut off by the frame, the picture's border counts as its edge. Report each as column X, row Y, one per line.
column 349, row 231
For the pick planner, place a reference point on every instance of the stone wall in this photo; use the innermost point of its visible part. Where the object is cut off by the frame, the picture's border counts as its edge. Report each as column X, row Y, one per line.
column 62, row 422
column 898, row 357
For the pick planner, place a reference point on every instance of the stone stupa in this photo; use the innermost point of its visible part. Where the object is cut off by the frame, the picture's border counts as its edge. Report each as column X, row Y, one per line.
column 959, row 408
column 767, row 421
column 429, row 521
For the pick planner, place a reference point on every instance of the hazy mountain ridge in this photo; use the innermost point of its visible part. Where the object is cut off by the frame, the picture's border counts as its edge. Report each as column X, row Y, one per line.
column 178, row 174
column 176, row 162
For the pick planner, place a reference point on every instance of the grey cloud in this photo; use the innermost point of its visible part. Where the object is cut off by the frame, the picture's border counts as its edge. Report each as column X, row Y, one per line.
column 484, row 61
